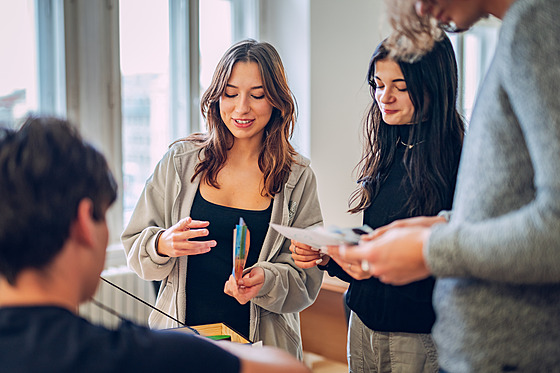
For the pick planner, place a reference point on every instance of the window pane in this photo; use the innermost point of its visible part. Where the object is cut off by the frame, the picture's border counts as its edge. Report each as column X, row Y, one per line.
column 478, row 45
column 144, row 43
column 215, row 24
column 215, row 36
column 18, row 67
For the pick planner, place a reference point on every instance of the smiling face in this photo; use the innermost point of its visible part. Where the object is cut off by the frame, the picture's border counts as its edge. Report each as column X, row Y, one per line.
column 244, row 107
column 391, row 93
column 463, row 13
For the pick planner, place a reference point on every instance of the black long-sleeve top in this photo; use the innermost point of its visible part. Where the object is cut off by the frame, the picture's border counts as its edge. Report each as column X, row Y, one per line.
column 383, row 307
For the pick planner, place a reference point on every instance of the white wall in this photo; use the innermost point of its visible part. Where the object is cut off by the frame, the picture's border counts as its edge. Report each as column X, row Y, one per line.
column 326, row 46
column 285, row 24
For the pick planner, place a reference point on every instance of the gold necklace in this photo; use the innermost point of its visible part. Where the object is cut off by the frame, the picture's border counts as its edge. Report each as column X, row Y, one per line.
column 410, row 146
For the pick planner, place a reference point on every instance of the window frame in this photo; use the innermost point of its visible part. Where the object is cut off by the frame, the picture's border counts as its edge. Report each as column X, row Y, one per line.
column 92, row 79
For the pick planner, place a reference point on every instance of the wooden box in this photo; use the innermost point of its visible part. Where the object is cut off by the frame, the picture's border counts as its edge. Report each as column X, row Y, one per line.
column 210, row 330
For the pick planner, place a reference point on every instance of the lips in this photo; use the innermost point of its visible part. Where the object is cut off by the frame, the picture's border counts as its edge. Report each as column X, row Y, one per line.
column 387, row 111
column 243, row 123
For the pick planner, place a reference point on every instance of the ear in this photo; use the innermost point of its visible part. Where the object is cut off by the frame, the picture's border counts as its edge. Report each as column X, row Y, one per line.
column 82, row 229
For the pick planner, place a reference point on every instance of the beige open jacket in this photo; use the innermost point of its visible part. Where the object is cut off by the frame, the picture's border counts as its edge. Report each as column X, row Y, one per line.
column 287, row 290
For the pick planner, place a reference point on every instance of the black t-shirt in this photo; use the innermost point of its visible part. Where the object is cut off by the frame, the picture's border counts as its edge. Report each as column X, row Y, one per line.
column 53, row 339
column 207, row 273
column 383, row 307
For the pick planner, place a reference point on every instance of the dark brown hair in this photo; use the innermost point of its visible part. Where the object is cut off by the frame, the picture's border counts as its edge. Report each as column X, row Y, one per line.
column 47, row 169
column 437, row 128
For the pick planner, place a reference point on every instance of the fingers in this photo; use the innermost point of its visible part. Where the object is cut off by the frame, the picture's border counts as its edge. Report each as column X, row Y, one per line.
column 191, row 233
column 241, row 294
column 382, row 230
column 193, row 248
column 198, row 224
column 418, row 221
column 254, row 278
column 305, row 256
column 303, row 246
column 396, row 257
column 308, row 264
column 188, row 223
column 176, row 241
column 230, row 287
column 182, row 224
column 355, row 254
column 302, row 249
column 353, row 268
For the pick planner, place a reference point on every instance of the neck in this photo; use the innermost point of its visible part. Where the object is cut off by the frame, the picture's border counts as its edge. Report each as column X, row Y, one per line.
column 499, row 8
column 32, row 289
column 245, row 150
column 57, row 284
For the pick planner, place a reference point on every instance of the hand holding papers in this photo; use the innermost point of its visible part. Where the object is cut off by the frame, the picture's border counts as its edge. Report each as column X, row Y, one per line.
column 240, row 248
column 320, row 237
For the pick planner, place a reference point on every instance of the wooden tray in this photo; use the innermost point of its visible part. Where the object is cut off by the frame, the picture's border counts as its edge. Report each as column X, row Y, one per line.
column 209, row 330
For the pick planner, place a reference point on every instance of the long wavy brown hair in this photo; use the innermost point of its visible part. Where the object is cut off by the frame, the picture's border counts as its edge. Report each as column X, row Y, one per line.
column 277, row 154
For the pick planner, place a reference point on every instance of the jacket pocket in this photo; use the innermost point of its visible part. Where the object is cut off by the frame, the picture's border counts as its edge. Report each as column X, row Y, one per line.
column 166, row 301
column 282, row 331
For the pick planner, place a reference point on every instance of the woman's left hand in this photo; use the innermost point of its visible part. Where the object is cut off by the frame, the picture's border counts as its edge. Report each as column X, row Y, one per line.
column 353, row 268
column 247, row 287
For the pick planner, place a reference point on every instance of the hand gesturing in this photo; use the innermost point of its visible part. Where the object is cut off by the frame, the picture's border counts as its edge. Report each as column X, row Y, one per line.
column 175, row 241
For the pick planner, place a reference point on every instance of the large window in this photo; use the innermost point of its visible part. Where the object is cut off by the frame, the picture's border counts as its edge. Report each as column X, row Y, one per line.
column 474, row 50
column 146, row 128
column 18, row 66
column 168, row 52
column 131, row 107
column 31, row 67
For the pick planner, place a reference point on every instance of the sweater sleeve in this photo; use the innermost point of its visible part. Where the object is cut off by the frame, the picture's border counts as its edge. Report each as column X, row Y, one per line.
column 149, row 217
column 520, row 246
column 287, row 287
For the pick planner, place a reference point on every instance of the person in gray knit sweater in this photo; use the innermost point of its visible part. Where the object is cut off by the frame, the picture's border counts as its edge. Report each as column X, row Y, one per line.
column 496, row 255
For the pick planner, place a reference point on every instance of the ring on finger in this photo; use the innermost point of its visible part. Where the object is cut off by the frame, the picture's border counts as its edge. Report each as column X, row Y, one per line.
column 365, row 265
column 349, row 266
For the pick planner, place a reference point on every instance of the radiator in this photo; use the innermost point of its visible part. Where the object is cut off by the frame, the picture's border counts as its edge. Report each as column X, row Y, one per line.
column 118, row 301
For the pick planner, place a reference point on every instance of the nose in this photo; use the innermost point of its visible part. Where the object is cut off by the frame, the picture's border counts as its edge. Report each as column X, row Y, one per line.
column 243, row 105
column 387, row 96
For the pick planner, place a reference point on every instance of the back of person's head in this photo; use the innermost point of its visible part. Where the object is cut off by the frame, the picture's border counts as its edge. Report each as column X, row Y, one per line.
column 432, row 83
column 46, row 169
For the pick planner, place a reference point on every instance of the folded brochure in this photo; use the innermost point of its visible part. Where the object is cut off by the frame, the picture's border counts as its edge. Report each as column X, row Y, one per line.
column 319, row 237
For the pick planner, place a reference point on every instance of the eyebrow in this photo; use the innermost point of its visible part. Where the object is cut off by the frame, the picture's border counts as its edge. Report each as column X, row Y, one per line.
column 233, row 86
column 394, row 80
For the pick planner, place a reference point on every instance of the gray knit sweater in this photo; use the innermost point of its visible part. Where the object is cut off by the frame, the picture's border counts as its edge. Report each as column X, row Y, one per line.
column 497, row 297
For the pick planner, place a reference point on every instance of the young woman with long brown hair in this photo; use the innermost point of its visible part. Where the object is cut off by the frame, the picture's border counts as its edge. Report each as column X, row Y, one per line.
column 244, row 166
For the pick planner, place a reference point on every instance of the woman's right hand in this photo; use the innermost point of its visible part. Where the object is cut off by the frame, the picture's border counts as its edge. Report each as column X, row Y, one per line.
column 306, row 256
column 174, row 241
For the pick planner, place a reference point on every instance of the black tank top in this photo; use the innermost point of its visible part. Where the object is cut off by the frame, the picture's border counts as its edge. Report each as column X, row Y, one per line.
column 207, row 273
